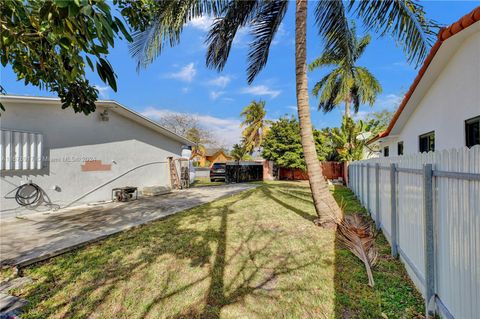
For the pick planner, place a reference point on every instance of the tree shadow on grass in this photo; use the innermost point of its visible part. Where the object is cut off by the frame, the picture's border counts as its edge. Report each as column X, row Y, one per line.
column 268, row 192
column 118, row 258
column 252, row 276
column 91, row 275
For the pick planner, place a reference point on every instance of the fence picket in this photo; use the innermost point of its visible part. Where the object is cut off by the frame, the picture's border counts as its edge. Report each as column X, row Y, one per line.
column 456, row 220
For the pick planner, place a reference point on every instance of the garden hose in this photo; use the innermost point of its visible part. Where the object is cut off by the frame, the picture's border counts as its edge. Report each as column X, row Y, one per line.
column 25, row 197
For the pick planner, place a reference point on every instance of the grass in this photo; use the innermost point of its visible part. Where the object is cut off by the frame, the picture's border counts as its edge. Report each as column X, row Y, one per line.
column 205, row 181
column 394, row 294
column 253, row 255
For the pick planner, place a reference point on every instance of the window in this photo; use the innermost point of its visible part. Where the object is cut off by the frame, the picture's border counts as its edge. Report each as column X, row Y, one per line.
column 386, row 151
column 20, row 150
column 472, row 131
column 400, row 148
column 427, row 142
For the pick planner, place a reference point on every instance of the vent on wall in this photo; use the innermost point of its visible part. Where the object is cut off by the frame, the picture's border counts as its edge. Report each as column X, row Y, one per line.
column 104, row 116
column 20, row 150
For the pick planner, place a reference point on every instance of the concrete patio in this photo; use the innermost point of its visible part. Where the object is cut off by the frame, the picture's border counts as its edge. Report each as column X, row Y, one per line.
column 39, row 236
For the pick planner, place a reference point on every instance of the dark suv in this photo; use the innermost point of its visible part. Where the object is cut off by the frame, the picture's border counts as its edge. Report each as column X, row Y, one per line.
column 217, row 171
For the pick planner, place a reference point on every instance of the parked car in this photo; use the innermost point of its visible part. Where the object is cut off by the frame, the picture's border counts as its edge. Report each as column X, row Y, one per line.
column 217, row 172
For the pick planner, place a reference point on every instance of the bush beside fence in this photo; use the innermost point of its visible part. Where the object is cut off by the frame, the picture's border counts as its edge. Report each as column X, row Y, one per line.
column 428, row 207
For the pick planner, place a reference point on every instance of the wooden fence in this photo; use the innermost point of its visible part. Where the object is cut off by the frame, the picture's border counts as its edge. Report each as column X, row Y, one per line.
column 428, row 207
column 331, row 170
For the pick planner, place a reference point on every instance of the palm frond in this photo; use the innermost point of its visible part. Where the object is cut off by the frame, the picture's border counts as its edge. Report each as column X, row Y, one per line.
column 361, row 45
column 327, row 58
column 332, row 23
column 320, row 84
column 358, row 236
column 148, row 44
column 327, row 100
column 346, row 83
column 220, row 37
column 264, row 28
column 167, row 25
column 403, row 19
column 368, row 87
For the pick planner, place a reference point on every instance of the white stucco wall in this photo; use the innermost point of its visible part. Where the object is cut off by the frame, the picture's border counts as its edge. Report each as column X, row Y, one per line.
column 452, row 98
column 121, row 142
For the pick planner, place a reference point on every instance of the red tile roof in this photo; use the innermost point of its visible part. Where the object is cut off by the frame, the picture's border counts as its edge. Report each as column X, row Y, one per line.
column 445, row 33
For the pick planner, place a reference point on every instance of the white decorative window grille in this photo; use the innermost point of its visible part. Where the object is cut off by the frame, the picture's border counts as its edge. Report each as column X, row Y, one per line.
column 20, row 150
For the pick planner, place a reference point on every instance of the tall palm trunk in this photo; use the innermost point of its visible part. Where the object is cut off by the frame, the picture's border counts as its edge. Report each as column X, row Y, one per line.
column 348, row 102
column 327, row 209
column 347, row 108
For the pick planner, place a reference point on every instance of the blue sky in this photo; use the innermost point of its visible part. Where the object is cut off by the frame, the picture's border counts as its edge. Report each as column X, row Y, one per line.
column 178, row 80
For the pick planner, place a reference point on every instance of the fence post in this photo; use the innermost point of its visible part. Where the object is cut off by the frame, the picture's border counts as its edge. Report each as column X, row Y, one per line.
column 362, row 178
column 347, row 180
column 429, row 239
column 393, row 210
column 357, row 176
column 377, row 195
column 357, row 171
column 368, row 188
column 354, row 178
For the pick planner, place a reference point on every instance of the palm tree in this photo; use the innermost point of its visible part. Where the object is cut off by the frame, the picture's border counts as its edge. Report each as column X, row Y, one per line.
column 239, row 152
column 347, row 82
column 404, row 20
column 255, row 125
column 346, row 138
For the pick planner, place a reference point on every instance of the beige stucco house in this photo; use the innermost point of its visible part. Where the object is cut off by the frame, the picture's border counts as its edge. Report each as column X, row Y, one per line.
column 78, row 159
column 212, row 155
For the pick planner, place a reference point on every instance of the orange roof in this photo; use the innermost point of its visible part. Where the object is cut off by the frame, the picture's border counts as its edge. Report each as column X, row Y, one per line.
column 444, row 33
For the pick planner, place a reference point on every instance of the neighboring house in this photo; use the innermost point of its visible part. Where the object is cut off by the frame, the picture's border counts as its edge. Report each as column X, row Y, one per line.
column 441, row 110
column 78, row 159
column 212, row 155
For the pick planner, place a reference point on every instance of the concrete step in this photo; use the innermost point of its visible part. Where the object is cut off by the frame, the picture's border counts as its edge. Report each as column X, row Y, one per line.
column 6, row 286
column 11, row 304
column 155, row 190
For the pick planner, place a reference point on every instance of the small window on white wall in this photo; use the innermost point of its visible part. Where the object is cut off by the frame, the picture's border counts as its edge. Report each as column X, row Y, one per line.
column 20, row 150
column 386, row 151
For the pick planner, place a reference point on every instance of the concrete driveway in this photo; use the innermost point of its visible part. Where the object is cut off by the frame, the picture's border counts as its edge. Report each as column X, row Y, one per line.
column 40, row 236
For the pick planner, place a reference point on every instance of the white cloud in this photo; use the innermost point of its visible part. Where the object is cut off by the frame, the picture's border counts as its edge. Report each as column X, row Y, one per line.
column 185, row 90
column 220, row 81
column 186, row 74
column 398, row 66
column 389, row 101
column 216, row 94
column 103, row 91
column 202, row 23
column 241, row 38
column 360, row 115
column 226, row 130
column 261, row 90
column 292, row 107
column 280, row 35
column 384, row 102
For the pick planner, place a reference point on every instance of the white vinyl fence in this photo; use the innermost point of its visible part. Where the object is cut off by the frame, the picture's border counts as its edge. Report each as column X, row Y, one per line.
column 428, row 207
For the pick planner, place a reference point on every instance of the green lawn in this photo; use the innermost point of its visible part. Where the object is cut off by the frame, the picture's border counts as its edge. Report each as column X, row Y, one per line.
column 252, row 255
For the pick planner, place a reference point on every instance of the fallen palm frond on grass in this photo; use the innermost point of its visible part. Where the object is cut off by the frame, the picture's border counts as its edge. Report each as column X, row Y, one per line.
column 358, row 236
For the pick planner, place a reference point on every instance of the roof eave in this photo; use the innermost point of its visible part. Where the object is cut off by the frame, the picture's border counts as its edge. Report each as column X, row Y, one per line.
column 444, row 33
column 113, row 105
